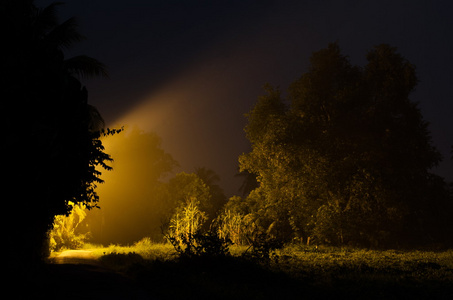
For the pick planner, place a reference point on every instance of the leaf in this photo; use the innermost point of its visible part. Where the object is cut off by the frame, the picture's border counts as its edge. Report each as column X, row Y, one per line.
column 84, row 66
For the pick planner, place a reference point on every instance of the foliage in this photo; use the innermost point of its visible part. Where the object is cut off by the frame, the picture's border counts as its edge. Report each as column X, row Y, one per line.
column 200, row 244
column 211, row 244
column 211, row 179
column 145, row 247
column 185, row 188
column 261, row 246
column 315, row 272
column 206, row 244
column 346, row 158
column 243, row 230
column 63, row 234
column 51, row 133
column 235, row 226
column 361, row 265
column 184, row 224
column 249, row 182
column 187, row 236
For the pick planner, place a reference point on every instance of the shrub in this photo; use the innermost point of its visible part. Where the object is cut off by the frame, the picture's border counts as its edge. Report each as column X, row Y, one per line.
column 63, row 234
column 235, row 226
column 261, row 245
column 201, row 244
column 185, row 222
column 185, row 232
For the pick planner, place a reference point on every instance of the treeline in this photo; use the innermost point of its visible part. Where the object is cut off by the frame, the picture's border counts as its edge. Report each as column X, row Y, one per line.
column 345, row 159
column 143, row 193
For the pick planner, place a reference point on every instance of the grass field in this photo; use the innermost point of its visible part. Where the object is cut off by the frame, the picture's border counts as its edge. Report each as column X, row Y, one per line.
column 294, row 272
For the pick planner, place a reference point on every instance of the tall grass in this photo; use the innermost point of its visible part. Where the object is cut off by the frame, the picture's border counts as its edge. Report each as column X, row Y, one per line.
column 293, row 271
column 364, row 266
column 146, row 248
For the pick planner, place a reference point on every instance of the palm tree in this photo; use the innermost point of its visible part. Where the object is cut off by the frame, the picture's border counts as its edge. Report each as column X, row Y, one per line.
column 47, row 113
column 61, row 36
column 39, row 35
column 209, row 177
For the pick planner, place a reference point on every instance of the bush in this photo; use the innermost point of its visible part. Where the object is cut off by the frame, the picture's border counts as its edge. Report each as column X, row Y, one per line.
column 235, row 226
column 64, row 231
column 261, row 245
column 200, row 244
column 186, row 221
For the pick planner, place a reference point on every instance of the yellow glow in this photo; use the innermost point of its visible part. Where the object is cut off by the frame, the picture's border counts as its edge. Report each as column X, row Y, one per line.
column 130, row 204
column 66, row 231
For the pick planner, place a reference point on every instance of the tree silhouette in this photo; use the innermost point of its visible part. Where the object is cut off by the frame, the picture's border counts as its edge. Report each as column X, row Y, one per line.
column 211, row 179
column 348, row 160
column 249, row 182
column 51, row 134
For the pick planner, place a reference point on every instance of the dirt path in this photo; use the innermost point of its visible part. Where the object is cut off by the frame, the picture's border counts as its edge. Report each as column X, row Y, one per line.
column 75, row 257
column 76, row 274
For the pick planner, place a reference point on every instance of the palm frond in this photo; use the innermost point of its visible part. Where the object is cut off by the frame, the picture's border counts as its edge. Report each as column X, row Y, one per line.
column 46, row 19
column 85, row 67
column 65, row 34
column 96, row 122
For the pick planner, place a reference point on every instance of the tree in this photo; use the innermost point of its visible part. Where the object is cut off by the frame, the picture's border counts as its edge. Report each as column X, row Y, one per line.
column 188, row 201
column 249, row 184
column 210, row 178
column 347, row 161
column 236, row 227
column 186, row 222
column 51, row 141
column 187, row 188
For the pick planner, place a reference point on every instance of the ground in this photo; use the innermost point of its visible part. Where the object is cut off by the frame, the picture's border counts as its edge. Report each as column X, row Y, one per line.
column 78, row 274
column 153, row 271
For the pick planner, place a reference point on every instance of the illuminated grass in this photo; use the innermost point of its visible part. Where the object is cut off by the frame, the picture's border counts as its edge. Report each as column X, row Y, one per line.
column 317, row 273
column 340, row 265
column 299, row 258
column 314, row 272
column 296, row 258
column 147, row 249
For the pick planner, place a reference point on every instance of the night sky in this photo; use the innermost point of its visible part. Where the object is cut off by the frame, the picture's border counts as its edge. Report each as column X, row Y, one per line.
column 190, row 70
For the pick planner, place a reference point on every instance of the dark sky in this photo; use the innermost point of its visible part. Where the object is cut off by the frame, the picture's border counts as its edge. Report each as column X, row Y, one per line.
column 189, row 70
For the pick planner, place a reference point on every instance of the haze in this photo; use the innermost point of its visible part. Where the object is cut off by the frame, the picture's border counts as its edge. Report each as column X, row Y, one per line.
column 190, row 71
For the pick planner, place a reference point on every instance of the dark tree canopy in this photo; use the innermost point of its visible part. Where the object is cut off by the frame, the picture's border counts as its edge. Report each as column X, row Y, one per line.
column 50, row 144
column 211, row 179
column 346, row 158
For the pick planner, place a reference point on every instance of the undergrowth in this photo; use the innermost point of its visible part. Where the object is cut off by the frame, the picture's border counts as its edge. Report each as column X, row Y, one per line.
column 292, row 272
column 146, row 248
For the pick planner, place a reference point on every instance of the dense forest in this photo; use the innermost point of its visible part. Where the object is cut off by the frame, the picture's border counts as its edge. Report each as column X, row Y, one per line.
column 345, row 160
